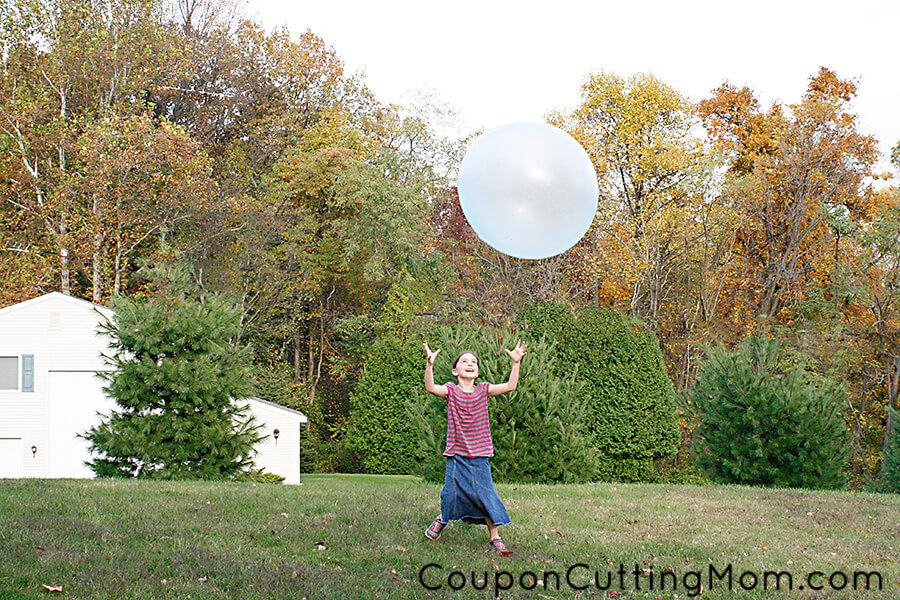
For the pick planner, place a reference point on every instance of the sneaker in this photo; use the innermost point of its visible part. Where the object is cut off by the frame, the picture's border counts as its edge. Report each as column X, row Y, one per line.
column 498, row 546
column 434, row 530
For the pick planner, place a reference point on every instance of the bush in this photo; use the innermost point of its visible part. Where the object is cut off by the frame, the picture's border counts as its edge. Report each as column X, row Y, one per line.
column 539, row 430
column 381, row 433
column 761, row 423
column 624, row 385
column 259, row 476
column 333, row 456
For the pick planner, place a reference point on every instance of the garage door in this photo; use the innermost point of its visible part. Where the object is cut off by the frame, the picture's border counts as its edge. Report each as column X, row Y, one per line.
column 12, row 462
column 73, row 400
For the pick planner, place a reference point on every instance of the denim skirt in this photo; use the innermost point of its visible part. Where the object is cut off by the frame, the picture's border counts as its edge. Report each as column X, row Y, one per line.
column 469, row 495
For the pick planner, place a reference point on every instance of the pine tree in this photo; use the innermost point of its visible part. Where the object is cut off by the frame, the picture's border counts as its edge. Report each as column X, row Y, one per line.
column 174, row 373
column 889, row 478
column 763, row 423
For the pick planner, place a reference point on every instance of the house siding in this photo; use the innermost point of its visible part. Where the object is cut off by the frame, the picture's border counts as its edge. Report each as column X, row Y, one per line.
column 281, row 457
column 75, row 345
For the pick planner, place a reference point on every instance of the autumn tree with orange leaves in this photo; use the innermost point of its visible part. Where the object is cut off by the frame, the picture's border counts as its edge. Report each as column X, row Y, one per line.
column 803, row 177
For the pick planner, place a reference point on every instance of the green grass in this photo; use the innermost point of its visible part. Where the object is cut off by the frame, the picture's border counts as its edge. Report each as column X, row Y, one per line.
column 137, row 539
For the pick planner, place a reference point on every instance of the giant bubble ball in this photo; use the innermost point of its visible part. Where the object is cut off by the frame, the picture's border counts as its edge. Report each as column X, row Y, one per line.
column 528, row 189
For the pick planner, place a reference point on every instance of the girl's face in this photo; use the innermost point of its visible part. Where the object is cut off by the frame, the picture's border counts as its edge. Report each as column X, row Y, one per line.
column 466, row 367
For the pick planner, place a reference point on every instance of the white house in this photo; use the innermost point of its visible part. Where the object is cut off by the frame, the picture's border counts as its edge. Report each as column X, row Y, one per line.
column 50, row 352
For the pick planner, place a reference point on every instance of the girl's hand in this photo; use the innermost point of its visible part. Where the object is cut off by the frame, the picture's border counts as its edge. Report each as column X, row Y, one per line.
column 429, row 354
column 518, row 352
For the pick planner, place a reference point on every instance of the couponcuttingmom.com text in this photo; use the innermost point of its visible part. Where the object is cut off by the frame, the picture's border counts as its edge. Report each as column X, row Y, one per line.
column 581, row 576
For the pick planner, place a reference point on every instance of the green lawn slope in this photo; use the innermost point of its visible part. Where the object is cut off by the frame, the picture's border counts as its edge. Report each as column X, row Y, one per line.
column 360, row 536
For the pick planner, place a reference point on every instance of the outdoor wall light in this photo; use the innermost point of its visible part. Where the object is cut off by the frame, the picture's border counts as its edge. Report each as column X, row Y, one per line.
column 276, row 433
column 34, row 451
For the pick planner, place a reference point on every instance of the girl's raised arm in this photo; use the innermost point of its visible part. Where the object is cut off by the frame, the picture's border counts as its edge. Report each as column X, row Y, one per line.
column 437, row 390
column 516, row 355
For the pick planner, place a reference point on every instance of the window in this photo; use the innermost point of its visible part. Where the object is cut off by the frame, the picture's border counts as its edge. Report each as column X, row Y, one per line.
column 28, row 372
column 9, row 372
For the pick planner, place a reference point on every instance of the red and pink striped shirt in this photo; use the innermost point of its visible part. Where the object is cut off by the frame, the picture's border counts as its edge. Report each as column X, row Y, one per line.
column 468, row 426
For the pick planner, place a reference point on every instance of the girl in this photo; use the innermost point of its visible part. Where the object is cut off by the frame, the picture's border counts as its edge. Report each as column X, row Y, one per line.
column 469, row 493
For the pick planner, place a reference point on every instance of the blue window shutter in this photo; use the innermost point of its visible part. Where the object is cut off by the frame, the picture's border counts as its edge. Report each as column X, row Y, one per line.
column 28, row 372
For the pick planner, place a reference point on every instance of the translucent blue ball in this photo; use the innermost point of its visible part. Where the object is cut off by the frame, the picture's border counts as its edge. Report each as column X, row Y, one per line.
column 528, row 189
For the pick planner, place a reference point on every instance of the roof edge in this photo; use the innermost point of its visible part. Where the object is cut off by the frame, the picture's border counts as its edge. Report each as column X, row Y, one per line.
column 303, row 418
column 80, row 302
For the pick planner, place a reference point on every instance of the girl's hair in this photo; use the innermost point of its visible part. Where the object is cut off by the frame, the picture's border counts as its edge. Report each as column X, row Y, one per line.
column 459, row 356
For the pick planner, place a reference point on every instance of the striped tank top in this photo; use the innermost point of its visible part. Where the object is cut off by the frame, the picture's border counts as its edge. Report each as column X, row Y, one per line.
column 468, row 427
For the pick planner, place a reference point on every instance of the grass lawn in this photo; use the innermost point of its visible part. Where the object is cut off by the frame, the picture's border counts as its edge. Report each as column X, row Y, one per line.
column 361, row 536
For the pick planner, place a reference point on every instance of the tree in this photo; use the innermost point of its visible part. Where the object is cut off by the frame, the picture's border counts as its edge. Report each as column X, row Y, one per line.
column 68, row 64
column 765, row 423
column 349, row 232
column 870, row 283
column 140, row 184
column 381, row 433
column 805, row 176
column 638, row 134
column 177, row 379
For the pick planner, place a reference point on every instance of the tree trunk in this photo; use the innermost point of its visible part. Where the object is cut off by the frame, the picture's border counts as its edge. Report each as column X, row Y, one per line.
column 297, row 354
column 97, row 270
column 117, row 281
column 96, row 279
column 64, row 271
column 893, row 400
column 312, row 380
column 887, row 433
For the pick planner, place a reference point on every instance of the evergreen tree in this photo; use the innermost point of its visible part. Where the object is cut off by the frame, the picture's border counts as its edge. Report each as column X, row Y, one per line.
column 889, row 478
column 623, row 384
column 174, row 374
column 764, row 423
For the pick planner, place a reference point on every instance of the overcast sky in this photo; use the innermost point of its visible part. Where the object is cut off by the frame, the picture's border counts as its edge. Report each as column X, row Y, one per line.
column 496, row 62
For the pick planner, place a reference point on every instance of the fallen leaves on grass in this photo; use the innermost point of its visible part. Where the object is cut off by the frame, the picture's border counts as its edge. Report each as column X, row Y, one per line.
column 52, row 588
column 397, row 578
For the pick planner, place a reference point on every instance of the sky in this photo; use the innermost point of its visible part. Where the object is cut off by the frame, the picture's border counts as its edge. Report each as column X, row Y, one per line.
column 497, row 61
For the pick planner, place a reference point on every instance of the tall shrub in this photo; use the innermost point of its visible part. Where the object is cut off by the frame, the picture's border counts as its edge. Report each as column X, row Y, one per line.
column 764, row 423
column 174, row 373
column 624, row 386
column 539, row 430
column 381, row 433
